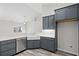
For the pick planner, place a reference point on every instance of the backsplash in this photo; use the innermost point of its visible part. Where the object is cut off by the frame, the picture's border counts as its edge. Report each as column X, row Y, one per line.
column 48, row 33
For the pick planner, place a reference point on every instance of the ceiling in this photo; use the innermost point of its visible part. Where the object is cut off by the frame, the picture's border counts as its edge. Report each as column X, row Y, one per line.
column 20, row 12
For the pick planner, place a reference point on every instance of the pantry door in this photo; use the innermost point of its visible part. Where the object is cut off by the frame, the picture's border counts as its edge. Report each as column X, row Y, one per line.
column 68, row 36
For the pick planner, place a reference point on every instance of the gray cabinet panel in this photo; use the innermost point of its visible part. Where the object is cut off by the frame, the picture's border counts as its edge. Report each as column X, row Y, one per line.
column 36, row 44
column 67, row 13
column 7, row 47
column 49, row 22
column 60, row 14
column 45, row 22
column 48, row 43
column 51, row 45
column 44, row 43
column 7, row 41
column 71, row 12
column 29, row 44
column 33, row 43
column 41, row 41
column 8, row 53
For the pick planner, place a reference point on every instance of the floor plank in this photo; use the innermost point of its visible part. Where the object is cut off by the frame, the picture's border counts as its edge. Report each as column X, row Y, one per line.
column 37, row 52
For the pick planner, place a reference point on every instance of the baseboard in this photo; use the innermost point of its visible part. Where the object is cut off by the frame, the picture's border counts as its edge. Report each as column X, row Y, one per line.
column 67, row 52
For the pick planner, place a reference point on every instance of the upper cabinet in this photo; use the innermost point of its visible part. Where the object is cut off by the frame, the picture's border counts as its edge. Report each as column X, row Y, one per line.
column 60, row 14
column 66, row 13
column 51, row 22
column 48, row 22
column 71, row 12
column 45, row 22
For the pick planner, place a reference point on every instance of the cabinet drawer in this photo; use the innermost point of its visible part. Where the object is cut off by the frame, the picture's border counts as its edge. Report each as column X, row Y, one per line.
column 8, row 53
column 7, row 41
column 7, row 47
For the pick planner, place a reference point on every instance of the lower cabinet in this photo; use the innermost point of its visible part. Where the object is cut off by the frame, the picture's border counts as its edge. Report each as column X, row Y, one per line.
column 51, row 45
column 8, row 47
column 8, row 53
column 33, row 44
column 48, row 43
column 44, row 43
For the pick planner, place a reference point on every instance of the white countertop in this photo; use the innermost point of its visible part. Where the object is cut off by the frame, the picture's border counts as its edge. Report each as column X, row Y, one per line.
column 30, row 36
column 11, row 36
column 48, row 33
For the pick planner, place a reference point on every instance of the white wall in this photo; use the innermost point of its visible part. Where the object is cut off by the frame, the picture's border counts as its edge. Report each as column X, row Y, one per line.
column 7, row 27
column 34, row 26
column 13, row 14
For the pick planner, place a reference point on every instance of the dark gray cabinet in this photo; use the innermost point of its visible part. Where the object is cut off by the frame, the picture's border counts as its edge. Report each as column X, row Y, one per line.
column 8, row 53
column 45, row 22
column 60, row 14
column 48, row 43
column 51, row 45
column 51, row 22
column 33, row 44
column 67, row 13
column 71, row 12
column 44, row 43
column 48, row 22
column 36, row 44
column 8, row 47
column 29, row 43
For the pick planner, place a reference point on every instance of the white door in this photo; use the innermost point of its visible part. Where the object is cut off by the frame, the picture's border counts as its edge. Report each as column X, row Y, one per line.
column 68, row 37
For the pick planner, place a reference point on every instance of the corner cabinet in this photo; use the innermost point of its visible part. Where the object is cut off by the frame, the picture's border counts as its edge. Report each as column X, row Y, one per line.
column 67, row 13
column 8, row 47
column 48, row 43
column 48, row 22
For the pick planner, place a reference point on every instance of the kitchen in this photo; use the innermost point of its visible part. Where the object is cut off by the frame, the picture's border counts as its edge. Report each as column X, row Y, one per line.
column 39, row 29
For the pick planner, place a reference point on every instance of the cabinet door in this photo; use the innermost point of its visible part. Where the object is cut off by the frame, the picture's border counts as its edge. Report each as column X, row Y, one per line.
column 8, row 53
column 44, row 43
column 71, row 12
column 60, row 14
column 36, row 44
column 45, row 22
column 30, row 44
column 51, row 45
column 51, row 22
column 7, row 47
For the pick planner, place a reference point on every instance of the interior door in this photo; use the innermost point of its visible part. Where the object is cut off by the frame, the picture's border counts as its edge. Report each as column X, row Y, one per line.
column 68, row 36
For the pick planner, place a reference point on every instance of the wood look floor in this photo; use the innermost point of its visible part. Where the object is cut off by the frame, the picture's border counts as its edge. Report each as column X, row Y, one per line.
column 37, row 52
